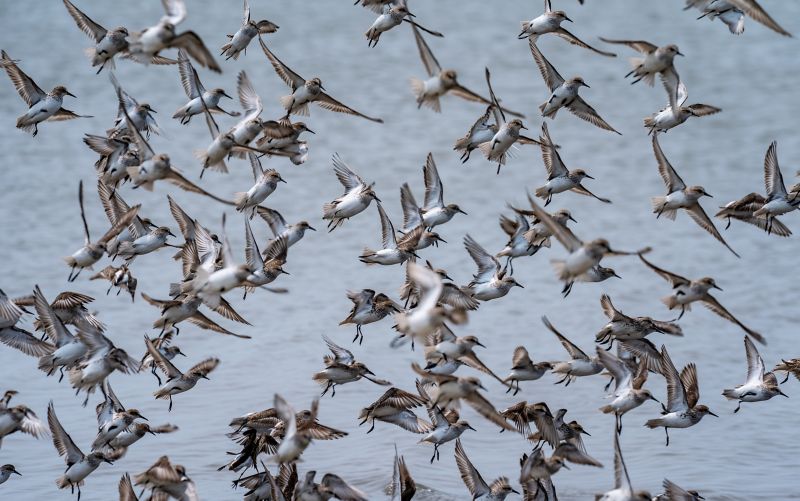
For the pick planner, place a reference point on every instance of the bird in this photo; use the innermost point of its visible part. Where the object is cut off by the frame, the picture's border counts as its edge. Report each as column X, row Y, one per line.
column 656, row 60
column 165, row 480
column 729, row 11
column 778, row 202
column 390, row 18
column 108, row 43
column 101, row 359
column 686, row 291
column 295, row 440
column 445, row 344
column 670, row 117
column 427, row 315
column 140, row 114
column 356, row 198
column 403, row 486
column 281, row 133
column 673, row 492
column 368, row 307
column 743, row 208
column 446, row 425
column 759, row 386
column 277, row 224
column 5, row 472
column 19, row 418
column 248, row 30
column 266, row 269
column 118, row 447
column 523, row 369
column 498, row 490
column 732, row 17
column 120, row 277
column 200, row 99
column 490, row 281
column 517, row 245
column 579, row 364
column 306, row 91
column 16, row 337
column 628, row 381
column 177, row 381
column 332, row 485
column 538, row 469
column 621, row 327
column 148, row 43
column 266, row 182
column 623, row 490
column 185, row 308
column 681, row 196
column 434, row 211
column 394, row 407
column 550, row 22
column 564, row 93
column 112, row 418
column 522, row 414
column 559, row 178
column 683, row 393
column 342, row 368
column 505, row 133
column 79, row 465
column 441, row 81
column 42, row 106
column 126, row 492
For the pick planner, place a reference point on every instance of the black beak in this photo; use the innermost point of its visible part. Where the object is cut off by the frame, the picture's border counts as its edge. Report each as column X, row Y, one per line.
column 480, row 344
column 715, row 286
column 440, row 239
column 515, row 491
column 679, row 53
column 586, row 433
column 572, row 219
column 282, row 180
column 170, row 233
column 205, row 377
column 471, row 428
column 709, row 411
column 461, row 211
column 567, row 19
column 226, row 95
column 108, row 461
column 708, row 195
column 522, row 126
column 782, row 393
column 654, row 398
column 519, row 285
column 588, row 176
column 181, row 353
column 70, row 93
column 309, row 130
column 312, row 228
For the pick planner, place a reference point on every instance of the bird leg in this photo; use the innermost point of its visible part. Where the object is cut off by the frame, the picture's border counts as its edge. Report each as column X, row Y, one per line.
column 170, row 404
column 738, row 407
column 371, row 427
column 666, row 430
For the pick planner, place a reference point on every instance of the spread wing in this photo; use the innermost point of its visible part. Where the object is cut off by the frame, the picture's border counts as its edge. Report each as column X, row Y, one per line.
column 327, row 102
column 677, row 399
column 552, row 160
column 759, row 15
column 673, row 278
column 61, row 439
column 432, row 66
column 574, row 351
column 273, row 218
column 584, row 111
column 434, row 190
column 561, row 232
column 637, row 45
column 341, row 489
column 773, row 179
column 469, row 474
column 755, row 365
column 487, row 410
column 668, row 174
column 550, row 75
column 193, row 44
column 25, row 86
column 342, row 355
column 175, row 11
column 569, row 37
column 387, row 230
column 712, row 304
column 189, row 78
column 291, row 78
column 251, row 252
column 349, row 179
column 689, row 380
column 205, row 367
column 85, row 23
column 521, row 358
column 488, row 265
column 672, row 83
column 248, row 97
column 161, row 362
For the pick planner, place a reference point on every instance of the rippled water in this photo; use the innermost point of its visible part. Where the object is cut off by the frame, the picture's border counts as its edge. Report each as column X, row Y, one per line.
column 751, row 77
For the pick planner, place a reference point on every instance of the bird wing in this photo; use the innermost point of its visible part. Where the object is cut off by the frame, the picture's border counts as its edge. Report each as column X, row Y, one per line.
column 251, row 252
column 53, row 326
column 773, row 178
column 387, row 230
column 584, row 111
column 202, row 321
column 609, row 310
column 25, row 86
column 673, row 278
column 434, row 190
column 226, row 310
column 141, row 143
column 189, row 78
column 205, row 367
column 432, row 66
column 325, row 101
column 61, row 439
column 246, row 14
column 759, row 15
column 574, row 351
column 469, row 474
column 569, row 37
column 341, row 489
column 622, row 480
column 700, row 217
column 120, row 225
column 573, row 454
column 623, row 377
column 185, row 223
column 105, row 410
column 411, row 214
column 552, row 160
column 487, row 410
column 85, row 23
column 488, row 265
column 248, row 97
column 25, row 342
column 550, row 75
column 712, row 304
column 175, row 11
column 521, row 358
column 637, row 45
column 676, row 395
column 349, row 179
column 689, row 380
column 701, row 110
column 562, row 233
column 341, row 355
column 668, row 174
column 273, row 218
column 755, row 365
column 289, row 77
column 194, row 46
column 179, row 180
column 429, row 282
column 161, row 362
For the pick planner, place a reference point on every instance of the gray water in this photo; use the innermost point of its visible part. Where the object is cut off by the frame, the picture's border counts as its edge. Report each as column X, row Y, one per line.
column 752, row 78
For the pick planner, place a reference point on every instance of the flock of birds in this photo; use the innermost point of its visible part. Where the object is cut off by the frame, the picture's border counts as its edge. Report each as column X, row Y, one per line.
column 69, row 340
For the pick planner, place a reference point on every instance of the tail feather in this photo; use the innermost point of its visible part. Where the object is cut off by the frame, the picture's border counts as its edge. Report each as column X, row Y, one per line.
column 240, row 200
column 654, row 423
column 542, row 192
column 729, row 394
column 561, row 268
column 174, row 289
column 607, row 409
column 671, row 302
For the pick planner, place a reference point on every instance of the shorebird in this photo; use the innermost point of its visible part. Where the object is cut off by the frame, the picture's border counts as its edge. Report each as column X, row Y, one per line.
column 100, row 361
column 656, row 60
column 539, row 233
column 732, row 12
column 16, row 337
column 391, row 251
column 140, row 114
column 185, row 308
column 621, row 327
column 522, row 414
column 559, row 178
column 446, row 425
column 444, row 344
column 523, row 369
column 79, row 465
column 108, row 43
column 19, row 418
column 5, row 472
column 550, row 22
column 759, row 386
column 70, row 307
column 673, row 492
column 245, row 34
column 682, row 409
column 517, row 245
column 680, row 196
column 281, row 133
column 368, row 307
column 342, row 368
column 434, row 211
column 414, row 230
column 394, row 407
column 295, row 439
column 266, row 269
column 112, row 418
column 428, row 315
column 67, row 350
column 177, row 381
column 147, row 44
column 165, row 480
column 686, row 291
column 490, row 281
column 670, row 117
column 791, row 366
column 306, row 91
column 579, row 364
column 623, row 491
column 277, row 224
column 403, row 486
column 440, row 81
column 393, row 16
column 505, row 133
column 42, row 106
column 537, row 469
column 151, row 241
column 564, row 93
column 628, row 393
column 356, row 198
column 121, row 278
column 118, row 447
column 477, row 486
column 250, row 125
column 222, row 146
column 743, row 209
column 778, row 201
column 200, row 99
column 117, row 153
column 331, row 486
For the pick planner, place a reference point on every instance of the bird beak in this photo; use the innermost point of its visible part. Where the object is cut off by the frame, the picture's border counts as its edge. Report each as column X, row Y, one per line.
column 70, row 94
column 715, row 286
column 323, row 88
column 226, row 95
column 440, row 239
column 567, row 19
column 312, row 228
column 447, row 277
column 782, row 393
column 654, row 398
column 614, row 274
column 679, row 53
column 181, row 353
column 205, row 377
column 309, row 130
column 572, row 219
column 586, row 433
column 519, row 285
column 108, row 460
column 710, row 411
column 482, row 387
column 522, row 126
column 471, row 428
column 369, row 372
column 515, row 491
column 284, row 272
column 480, row 344
column 462, row 212
column 564, row 465
column 708, row 195
column 170, row 233
column 281, row 180
column 588, row 176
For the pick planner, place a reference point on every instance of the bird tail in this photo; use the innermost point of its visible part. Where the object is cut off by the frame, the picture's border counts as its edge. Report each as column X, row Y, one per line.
column 418, row 88
column 542, row 192
column 240, row 200
column 525, row 25
column 671, row 302
column 47, row 363
column 320, row 379
column 25, row 124
column 161, row 394
column 730, row 394
column 174, row 289
column 607, row 409
column 63, row 483
column 462, row 144
column 561, row 268
column 70, row 261
column 649, row 122
column 654, row 423
column 658, row 204
column 367, row 256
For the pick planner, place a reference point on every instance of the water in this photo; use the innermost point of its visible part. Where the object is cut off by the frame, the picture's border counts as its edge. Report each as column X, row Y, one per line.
column 749, row 77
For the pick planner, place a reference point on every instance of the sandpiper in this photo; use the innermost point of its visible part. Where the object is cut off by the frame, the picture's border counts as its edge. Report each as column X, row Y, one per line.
column 277, row 224
column 743, row 209
column 523, row 369
column 537, row 469
column 19, row 418
column 559, row 178
column 368, row 307
column 477, row 486
column 390, row 18
column 446, row 425
column 185, row 307
column 112, row 418
column 628, row 393
column 121, row 278
column 200, row 99
column 245, row 34
column 723, row 10
column 730, row 11
column 392, row 250
column 539, row 234
column 564, row 93
column 517, row 245
column 149, row 242
column 140, row 114
column 579, row 364
column 306, row 91
column 163, row 344
column 266, row 182
column 265, row 269
column 281, row 133
column 331, row 486
column 778, row 200
column 414, row 229
column 440, row 81
column 680, row 196
column 68, row 349
column 79, row 465
column 342, row 368
column 506, row 134
column 759, row 386
column 356, row 198
column 434, row 211
column 623, row 491
column 295, row 439
column 791, row 366
column 100, row 361
column 250, row 125
column 108, row 43
column 490, row 281
column 118, row 447
column 394, row 407
column 223, row 145
column 621, row 327
column 16, row 337
column 165, row 481
column 5, row 472
column 403, row 486
column 43, row 106
column 445, row 344
column 117, row 153
column 550, row 22
column 522, row 414
column 147, row 44
column 686, row 291
column 177, row 381
column 671, row 117
column 682, row 409
column 656, row 60
column 674, row 492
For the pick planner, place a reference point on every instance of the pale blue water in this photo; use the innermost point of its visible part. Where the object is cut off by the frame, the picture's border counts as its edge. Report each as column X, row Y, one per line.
column 751, row 77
